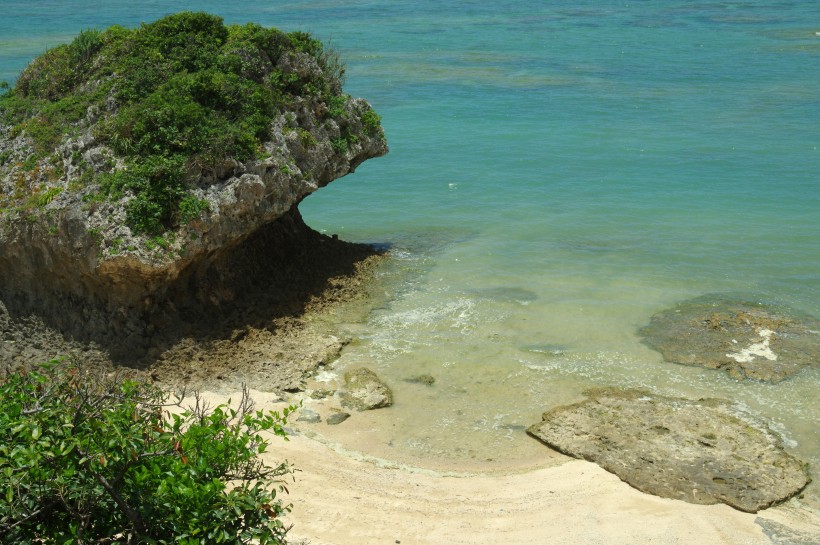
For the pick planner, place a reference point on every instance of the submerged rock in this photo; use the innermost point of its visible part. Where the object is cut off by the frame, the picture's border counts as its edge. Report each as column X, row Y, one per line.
column 780, row 534
column 365, row 391
column 508, row 295
column 336, row 418
column 427, row 380
column 696, row 451
column 749, row 340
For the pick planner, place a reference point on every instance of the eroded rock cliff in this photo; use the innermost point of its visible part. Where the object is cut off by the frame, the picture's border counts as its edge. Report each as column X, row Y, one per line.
column 138, row 184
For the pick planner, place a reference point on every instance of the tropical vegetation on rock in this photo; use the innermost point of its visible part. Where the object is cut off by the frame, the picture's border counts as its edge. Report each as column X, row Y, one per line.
column 182, row 92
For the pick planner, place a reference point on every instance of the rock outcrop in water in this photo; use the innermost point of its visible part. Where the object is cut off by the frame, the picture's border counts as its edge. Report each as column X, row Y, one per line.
column 749, row 340
column 365, row 391
column 134, row 194
column 697, row 451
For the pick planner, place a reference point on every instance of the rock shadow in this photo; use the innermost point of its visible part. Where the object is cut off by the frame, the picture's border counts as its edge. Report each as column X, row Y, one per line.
column 264, row 283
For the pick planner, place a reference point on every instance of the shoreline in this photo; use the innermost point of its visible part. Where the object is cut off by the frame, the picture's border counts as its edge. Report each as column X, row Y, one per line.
column 344, row 499
column 360, row 437
column 358, row 495
column 272, row 334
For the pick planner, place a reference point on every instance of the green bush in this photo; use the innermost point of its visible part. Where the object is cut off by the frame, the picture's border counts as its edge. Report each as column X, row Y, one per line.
column 190, row 208
column 339, row 145
column 105, row 461
column 158, row 185
column 50, row 76
column 371, row 121
column 85, row 46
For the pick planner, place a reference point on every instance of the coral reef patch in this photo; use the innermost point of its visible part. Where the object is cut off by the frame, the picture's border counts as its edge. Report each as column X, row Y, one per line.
column 748, row 340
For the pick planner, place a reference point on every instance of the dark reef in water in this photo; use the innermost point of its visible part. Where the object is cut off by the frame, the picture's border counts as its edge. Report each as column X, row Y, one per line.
column 749, row 340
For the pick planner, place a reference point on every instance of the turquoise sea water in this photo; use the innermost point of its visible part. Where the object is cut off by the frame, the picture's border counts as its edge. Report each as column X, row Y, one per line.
column 559, row 171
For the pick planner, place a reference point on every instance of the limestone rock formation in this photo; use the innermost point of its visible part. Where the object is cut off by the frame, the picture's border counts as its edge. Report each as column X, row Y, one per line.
column 749, row 340
column 364, row 391
column 697, row 451
column 106, row 251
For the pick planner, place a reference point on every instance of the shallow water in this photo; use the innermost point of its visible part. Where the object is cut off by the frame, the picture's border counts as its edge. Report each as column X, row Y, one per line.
column 558, row 173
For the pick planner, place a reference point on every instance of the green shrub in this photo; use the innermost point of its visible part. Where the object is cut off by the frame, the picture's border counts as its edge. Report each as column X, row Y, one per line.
column 48, row 196
column 306, row 138
column 50, row 76
column 85, row 46
column 332, row 64
column 30, row 163
column 190, row 208
column 336, row 106
column 104, row 461
column 371, row 121
column 145, row 216
column 339, row 145
column 157, row 183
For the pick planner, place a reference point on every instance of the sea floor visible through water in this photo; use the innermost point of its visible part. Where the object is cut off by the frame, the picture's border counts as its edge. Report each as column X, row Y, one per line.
column 500, row 357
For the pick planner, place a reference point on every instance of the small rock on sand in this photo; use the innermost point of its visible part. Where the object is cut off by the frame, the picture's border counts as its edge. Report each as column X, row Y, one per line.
column 309, row 416
column 337, row 418
column 365, row 391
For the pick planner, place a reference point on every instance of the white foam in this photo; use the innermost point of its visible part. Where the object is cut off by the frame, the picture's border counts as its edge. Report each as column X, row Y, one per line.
column 457, row 314
column 780, row 429
column 326, row 376
column 759, row 349
column 404, row 255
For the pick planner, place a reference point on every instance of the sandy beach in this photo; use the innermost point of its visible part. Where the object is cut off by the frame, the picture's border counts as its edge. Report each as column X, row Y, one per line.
column 357, row 494
column 344, row 499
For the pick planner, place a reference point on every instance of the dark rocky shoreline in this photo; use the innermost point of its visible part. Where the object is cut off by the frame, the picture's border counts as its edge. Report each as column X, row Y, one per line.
column 256, row 327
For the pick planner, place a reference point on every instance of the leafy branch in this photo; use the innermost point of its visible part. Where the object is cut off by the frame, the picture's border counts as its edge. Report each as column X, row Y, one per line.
column 102, row 460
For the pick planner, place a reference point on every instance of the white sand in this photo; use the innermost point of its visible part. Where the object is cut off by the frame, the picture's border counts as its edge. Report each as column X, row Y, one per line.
column 339, row 500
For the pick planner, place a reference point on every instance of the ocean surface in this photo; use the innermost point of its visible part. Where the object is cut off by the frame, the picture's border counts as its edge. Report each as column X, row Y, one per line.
column 559, row 172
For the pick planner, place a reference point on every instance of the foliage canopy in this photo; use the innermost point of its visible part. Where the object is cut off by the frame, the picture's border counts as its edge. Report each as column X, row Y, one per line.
column 184, row 90
column 107, row 462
